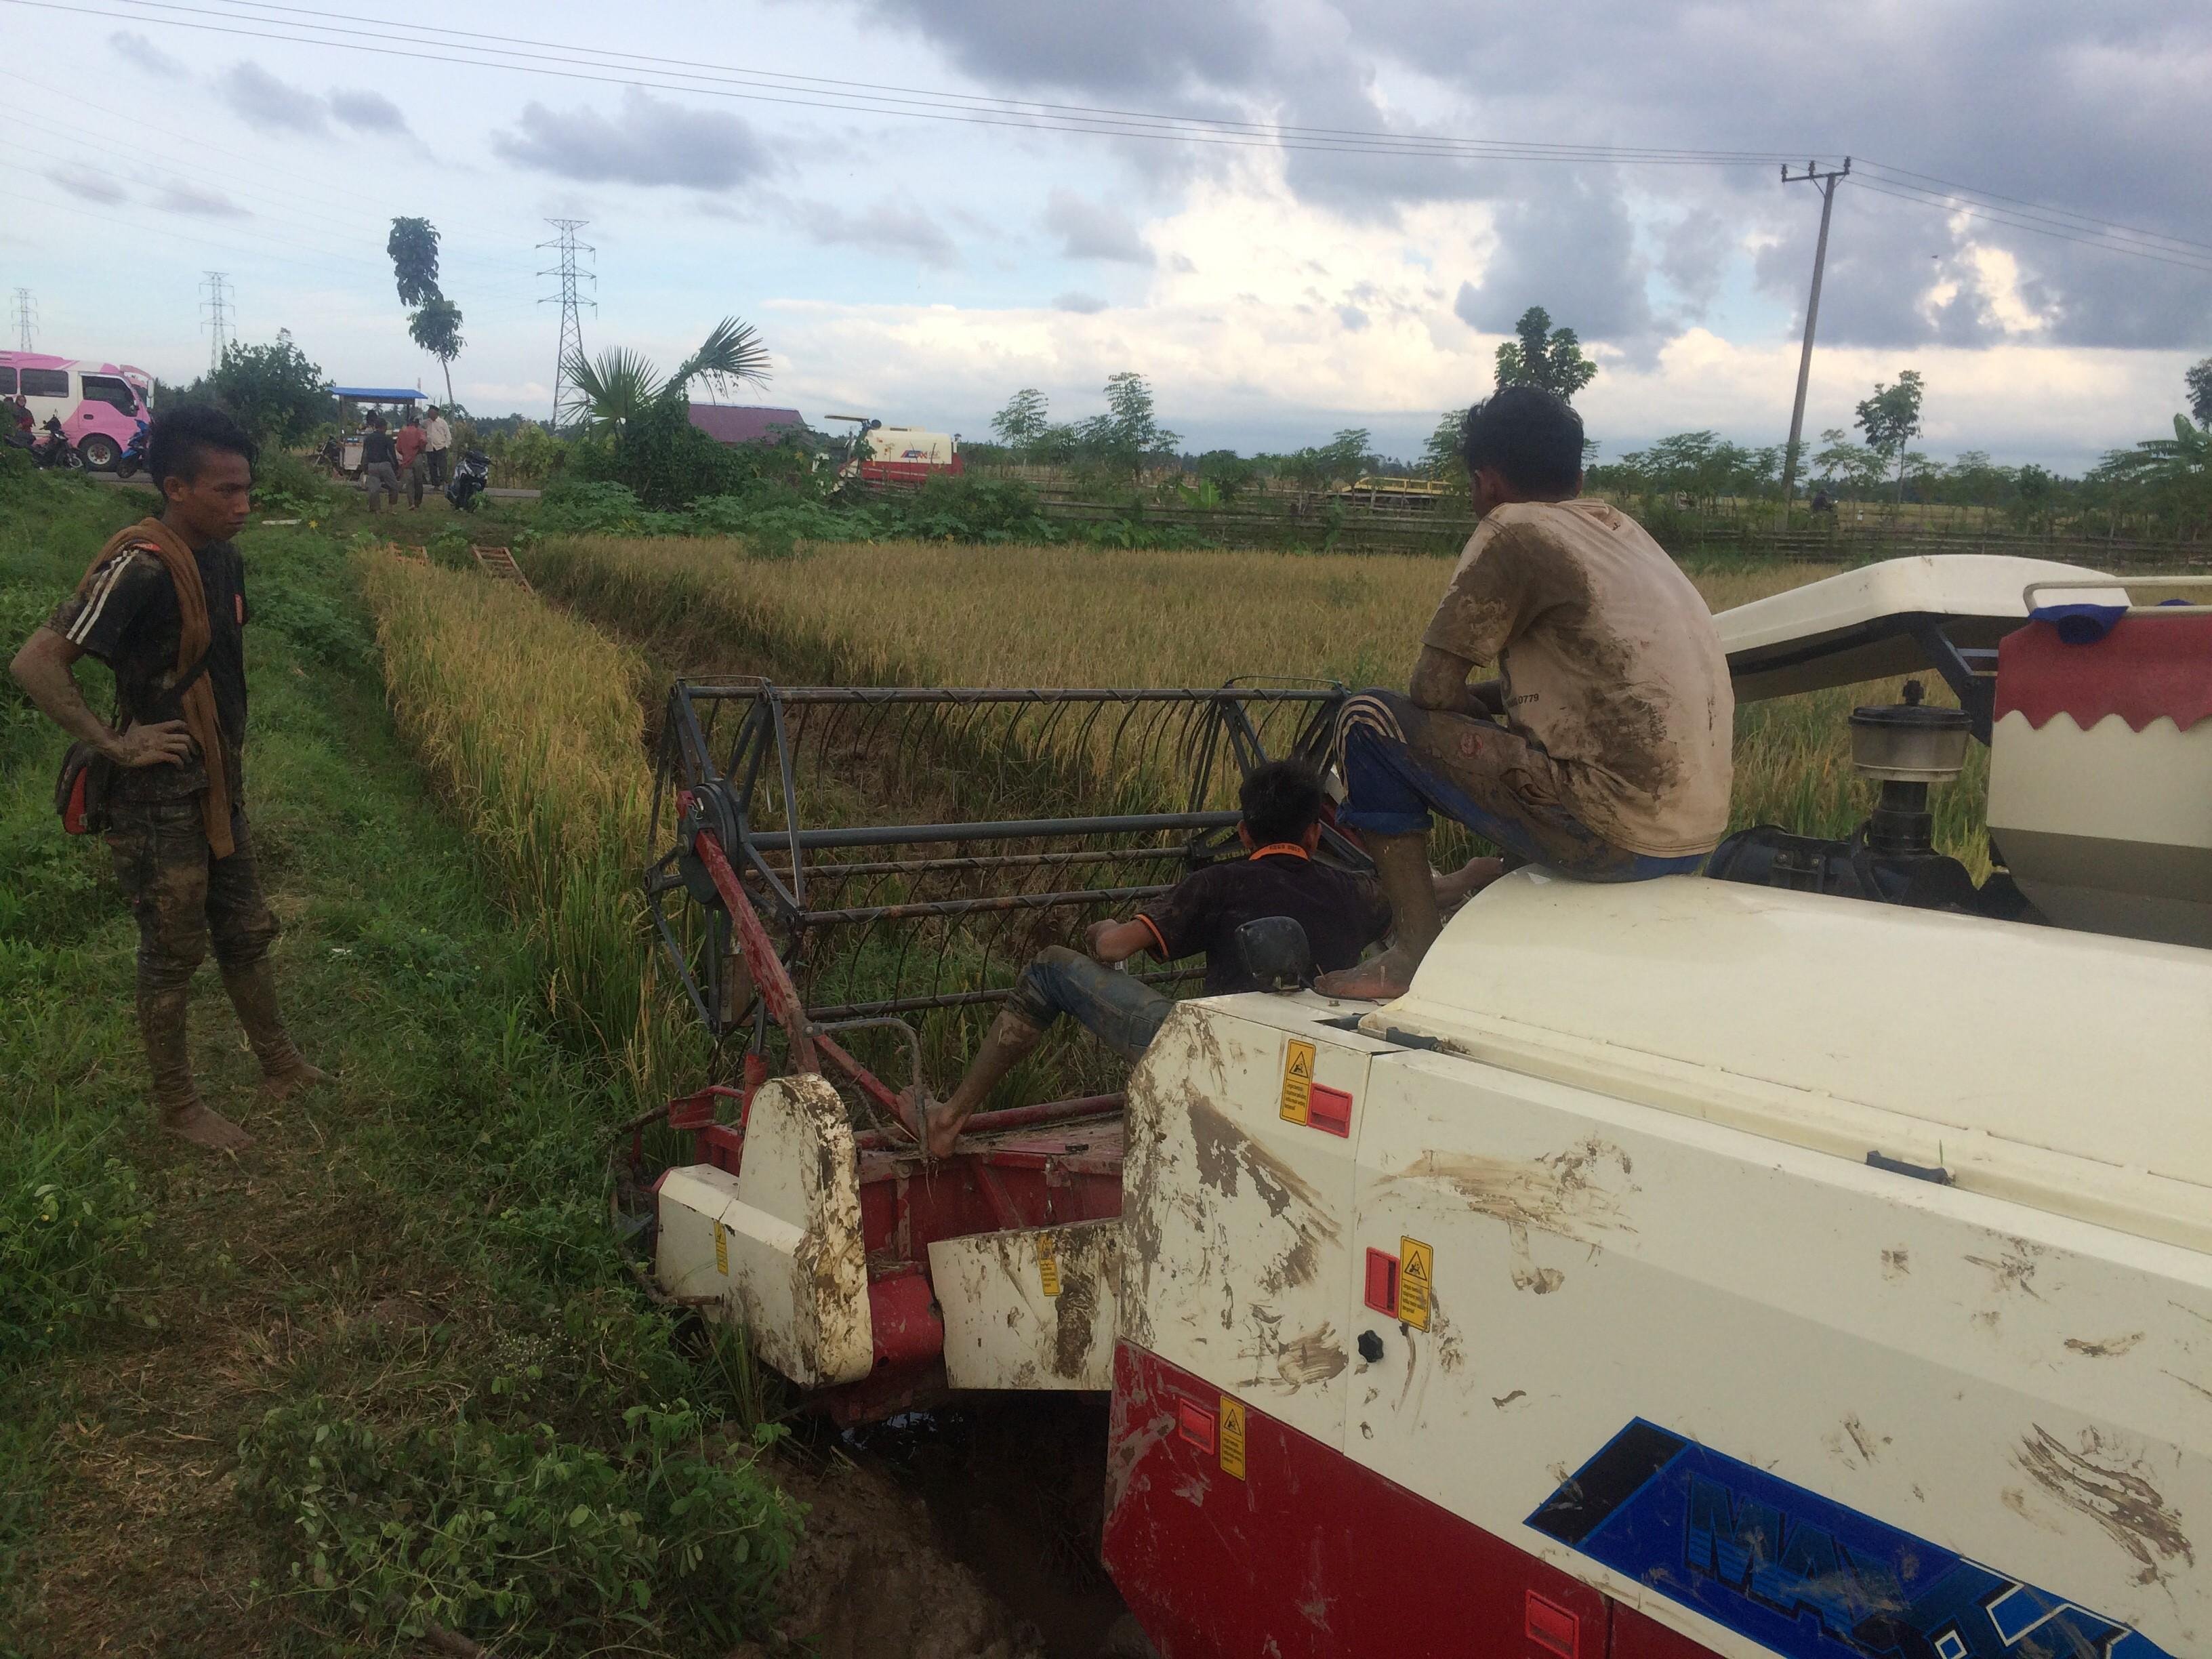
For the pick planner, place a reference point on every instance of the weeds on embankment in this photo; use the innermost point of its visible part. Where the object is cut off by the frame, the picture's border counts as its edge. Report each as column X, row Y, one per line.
column 930, row 615
column 384, row 1369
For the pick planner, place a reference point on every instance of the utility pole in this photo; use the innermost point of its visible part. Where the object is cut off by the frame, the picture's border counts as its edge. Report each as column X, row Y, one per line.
column 1827, row 183
column 215, row 307
column 26, row 318
column 569, row 406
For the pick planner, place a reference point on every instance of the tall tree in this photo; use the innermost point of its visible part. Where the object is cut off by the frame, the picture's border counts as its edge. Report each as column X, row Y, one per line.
column 1442, row 455
column 433, row 322
column 2198, row 378
column 1891, row 420
column 1544, row 357
column 1022, row 422
column 436, row 325
column 1130, row 429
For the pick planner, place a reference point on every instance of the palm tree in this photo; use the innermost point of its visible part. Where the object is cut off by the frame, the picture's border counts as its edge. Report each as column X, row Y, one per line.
column 621, row 385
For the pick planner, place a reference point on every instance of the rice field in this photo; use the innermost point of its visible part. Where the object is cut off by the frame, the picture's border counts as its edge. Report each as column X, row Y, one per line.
column 529, row 721
column 931, row 614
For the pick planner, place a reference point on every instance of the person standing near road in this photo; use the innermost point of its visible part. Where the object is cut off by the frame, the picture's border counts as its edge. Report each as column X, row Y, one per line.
column 407, row 443
column 380, row 463
column 164, row 607
column 439, row 438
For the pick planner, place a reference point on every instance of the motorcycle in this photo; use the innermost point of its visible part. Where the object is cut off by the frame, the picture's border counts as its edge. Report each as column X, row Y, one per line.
column 55, row 450
column 470, row 476
column 133, row 458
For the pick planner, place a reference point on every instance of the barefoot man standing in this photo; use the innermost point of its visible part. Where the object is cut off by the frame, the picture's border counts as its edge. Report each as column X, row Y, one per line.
column 164, row 608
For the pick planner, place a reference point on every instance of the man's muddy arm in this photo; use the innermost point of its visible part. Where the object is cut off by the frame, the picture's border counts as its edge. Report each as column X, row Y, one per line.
column 42, row 669
column 1117, row 941
column 1440, row 683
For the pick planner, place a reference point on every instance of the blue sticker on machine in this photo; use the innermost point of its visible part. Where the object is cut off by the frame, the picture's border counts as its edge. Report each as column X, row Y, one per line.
column 1800, row 1573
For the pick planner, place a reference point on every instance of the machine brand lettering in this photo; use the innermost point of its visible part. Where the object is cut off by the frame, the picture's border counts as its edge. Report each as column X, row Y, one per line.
column 1232, row 1436
column 1417, row 1265
column 1297, row 1080
column 1048, row 1263
column 1800, row 1573
column 722, row 1250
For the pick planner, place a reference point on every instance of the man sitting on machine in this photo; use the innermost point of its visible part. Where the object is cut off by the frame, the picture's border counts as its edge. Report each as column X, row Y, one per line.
column 1603, row 750
column 1342, row 915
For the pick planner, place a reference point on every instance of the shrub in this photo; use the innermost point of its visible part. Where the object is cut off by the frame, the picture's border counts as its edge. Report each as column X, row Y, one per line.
column 285, row 487
column 494, row 1532
column 71, row 1216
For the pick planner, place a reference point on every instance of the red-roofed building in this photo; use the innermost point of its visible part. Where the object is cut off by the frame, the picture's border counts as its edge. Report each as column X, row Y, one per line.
column 732, row 424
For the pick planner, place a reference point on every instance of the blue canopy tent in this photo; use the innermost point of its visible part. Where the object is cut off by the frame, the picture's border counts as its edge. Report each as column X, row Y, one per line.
column 376, row 394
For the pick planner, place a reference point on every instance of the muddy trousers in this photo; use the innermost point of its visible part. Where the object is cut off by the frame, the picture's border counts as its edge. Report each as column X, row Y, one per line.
column 184, row 898
column 1119, row 1009
column 1401, row 762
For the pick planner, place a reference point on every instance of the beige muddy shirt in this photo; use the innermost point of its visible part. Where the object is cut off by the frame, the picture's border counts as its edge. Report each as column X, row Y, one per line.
column 1611, row 661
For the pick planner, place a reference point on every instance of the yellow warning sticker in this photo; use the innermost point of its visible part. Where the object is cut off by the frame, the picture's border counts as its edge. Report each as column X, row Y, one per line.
column 1297, row 1080
column 1232, row 1438
column 1048, row 1263
column 722, row 1250
column 1416, row 1279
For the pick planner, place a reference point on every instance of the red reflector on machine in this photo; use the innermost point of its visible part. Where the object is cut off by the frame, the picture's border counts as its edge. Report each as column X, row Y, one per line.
column 1195, row 1424
column 1382, row 1282
column 1553, row 1628
column 1329, row 1109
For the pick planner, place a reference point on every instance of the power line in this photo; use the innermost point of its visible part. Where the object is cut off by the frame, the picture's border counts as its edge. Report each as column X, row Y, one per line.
column 1949, row 204
column 584, row 63
column 215, row 307
column 27, row 319
column 569, row 405
column 975, row 112
column 870, row 93
column 2055, row 215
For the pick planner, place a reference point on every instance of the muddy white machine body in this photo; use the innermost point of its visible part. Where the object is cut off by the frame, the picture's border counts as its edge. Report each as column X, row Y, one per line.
column 1692, row 1266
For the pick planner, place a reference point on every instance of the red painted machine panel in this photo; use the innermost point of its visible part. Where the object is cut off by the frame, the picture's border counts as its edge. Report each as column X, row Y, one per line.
column 1310, row 1555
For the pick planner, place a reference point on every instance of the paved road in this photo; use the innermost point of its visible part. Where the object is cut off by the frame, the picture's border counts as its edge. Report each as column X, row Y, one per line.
column 143, row 482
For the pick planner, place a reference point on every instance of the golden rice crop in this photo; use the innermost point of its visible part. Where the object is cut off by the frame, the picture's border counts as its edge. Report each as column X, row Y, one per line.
column 935, row 614
column 530, row 721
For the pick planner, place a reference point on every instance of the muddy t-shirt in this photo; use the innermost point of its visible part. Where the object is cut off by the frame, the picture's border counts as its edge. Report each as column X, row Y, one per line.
column 1610, row 662
column 127, row 616
column 1342, row 913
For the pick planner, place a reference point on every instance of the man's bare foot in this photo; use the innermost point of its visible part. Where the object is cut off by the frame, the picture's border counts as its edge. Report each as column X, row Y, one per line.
column 203, row 1128
column 944, row 1129
column 289, row 1082
column 1384, row 978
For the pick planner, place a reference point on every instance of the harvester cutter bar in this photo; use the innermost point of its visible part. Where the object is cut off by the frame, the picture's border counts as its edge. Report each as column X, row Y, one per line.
column 779, row 775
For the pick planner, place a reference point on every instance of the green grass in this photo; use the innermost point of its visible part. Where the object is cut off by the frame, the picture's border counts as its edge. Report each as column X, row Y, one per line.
column 387, row 1367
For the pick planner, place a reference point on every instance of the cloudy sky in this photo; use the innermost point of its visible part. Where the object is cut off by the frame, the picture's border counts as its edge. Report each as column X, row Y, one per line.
column 1305, row 249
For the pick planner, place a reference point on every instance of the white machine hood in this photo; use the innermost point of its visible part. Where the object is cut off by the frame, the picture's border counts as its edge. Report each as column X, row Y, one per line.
column 1870, row 623
column 2067, row 1070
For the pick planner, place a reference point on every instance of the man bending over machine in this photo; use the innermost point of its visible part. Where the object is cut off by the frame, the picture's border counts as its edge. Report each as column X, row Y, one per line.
column 1342, row 915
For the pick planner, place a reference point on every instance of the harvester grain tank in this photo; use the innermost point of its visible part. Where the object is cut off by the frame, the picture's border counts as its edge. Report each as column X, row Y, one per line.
column 1810, row 1258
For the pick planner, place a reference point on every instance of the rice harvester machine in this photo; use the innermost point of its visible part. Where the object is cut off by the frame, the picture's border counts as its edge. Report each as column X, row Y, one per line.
column 1809, row 1257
